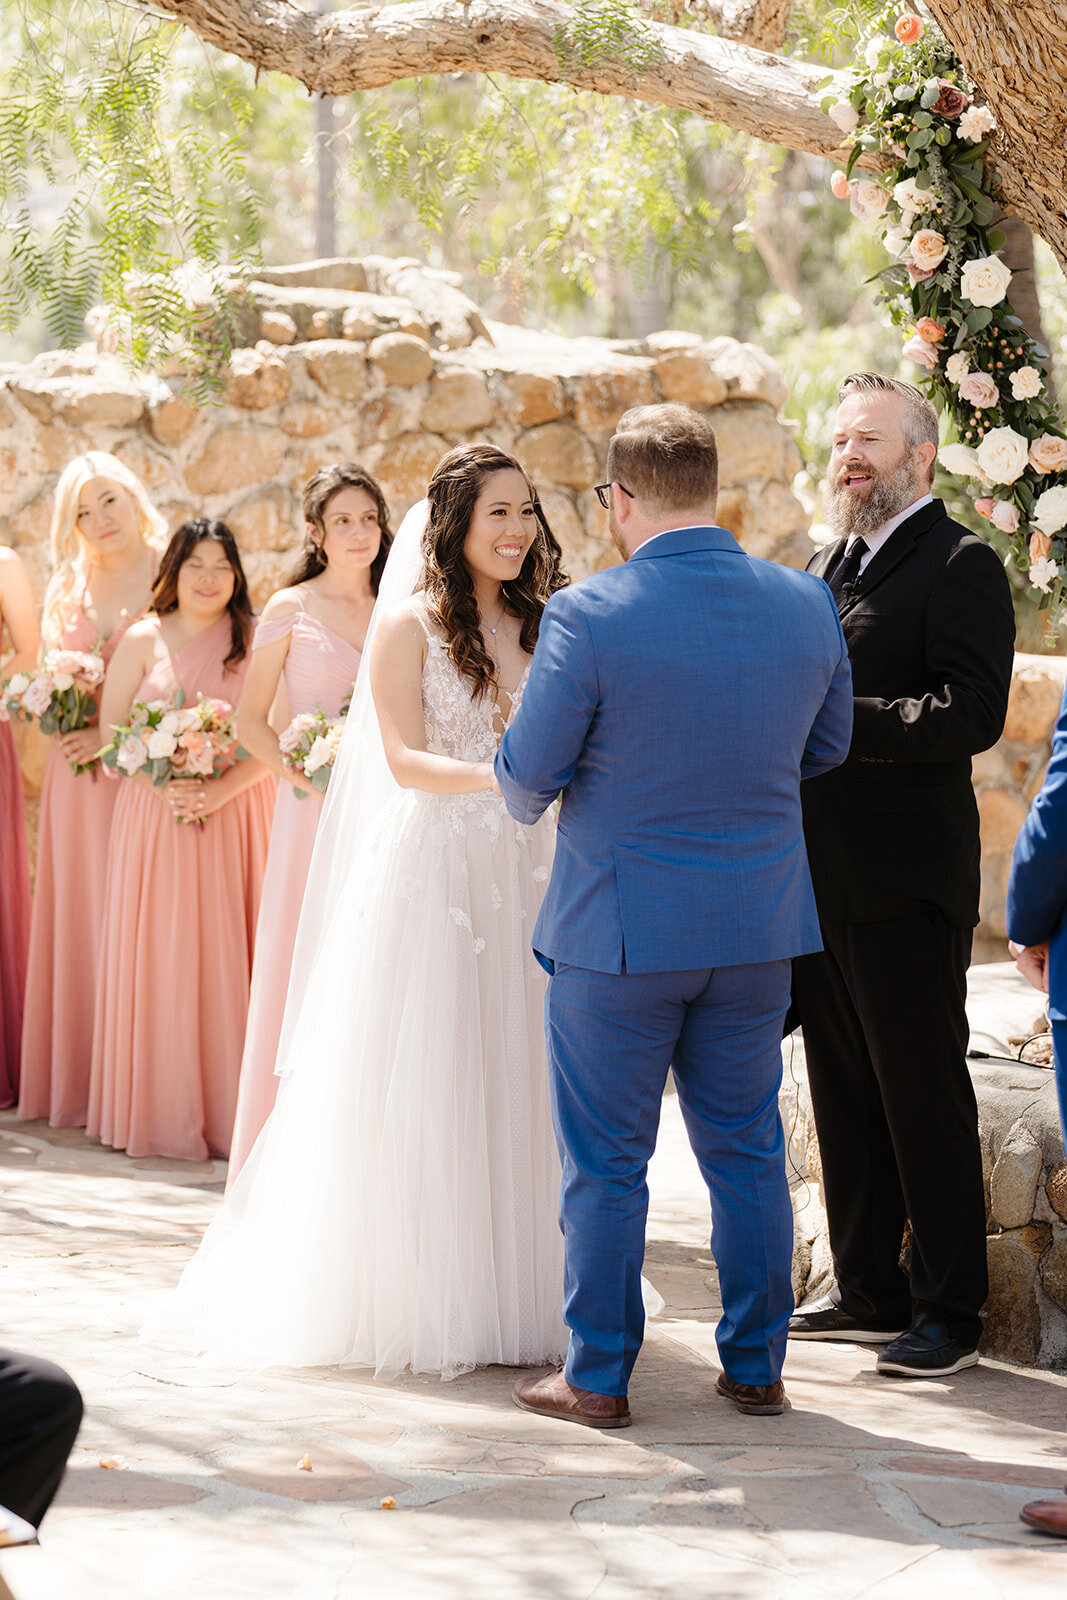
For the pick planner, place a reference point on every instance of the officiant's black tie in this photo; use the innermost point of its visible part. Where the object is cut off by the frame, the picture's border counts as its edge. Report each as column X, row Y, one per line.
column 845, row 575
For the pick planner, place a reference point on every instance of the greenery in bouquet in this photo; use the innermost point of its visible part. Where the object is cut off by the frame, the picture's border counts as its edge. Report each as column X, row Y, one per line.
column 947, row 287
column 168, row 739
column 309, row 746
column 59, row 695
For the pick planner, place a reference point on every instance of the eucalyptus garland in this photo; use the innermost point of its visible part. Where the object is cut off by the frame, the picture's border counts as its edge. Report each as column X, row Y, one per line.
column 947, row 287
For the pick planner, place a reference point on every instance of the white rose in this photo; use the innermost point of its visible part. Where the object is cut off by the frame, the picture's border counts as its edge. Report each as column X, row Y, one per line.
column 957, row 367
column 1002, row 455
column 975, row 123
column 959, row 459
column 1005, row 516
column 320, row 755
column 867, row 200
column 132, row 755
column 1026, row 383
column 171, row 723
column 896, row 241
column 63, row 681
column 1050, row 510
column 160, row 745
column 909, row 197
column 844, row 116
column 38, row 697
column 18, row 684
column 873, row 53
column 1043, row 573
column 984, row 281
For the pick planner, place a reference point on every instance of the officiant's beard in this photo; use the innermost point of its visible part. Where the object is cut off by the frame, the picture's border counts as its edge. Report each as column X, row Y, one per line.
column 890, row 493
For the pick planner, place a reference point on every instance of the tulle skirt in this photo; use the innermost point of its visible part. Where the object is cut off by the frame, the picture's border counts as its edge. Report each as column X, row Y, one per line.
column 399, row 1209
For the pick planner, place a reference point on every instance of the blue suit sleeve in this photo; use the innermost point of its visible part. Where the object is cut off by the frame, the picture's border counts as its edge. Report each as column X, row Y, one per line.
column 539, row 752
column 831, row 732
column 1037, row 888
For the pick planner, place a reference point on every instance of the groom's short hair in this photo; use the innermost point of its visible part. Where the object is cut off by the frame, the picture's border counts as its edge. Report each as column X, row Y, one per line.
column 666, row 456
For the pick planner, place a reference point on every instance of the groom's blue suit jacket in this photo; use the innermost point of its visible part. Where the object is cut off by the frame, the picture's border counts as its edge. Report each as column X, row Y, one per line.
column 677, row 701
column 1037, row 889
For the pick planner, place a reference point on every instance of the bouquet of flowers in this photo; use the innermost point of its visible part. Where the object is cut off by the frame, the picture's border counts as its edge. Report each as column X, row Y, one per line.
column 168, row 739
column 309, row 746
column 59, row 694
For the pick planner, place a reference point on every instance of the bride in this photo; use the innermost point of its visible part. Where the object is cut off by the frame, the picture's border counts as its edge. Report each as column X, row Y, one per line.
column 399, row 1208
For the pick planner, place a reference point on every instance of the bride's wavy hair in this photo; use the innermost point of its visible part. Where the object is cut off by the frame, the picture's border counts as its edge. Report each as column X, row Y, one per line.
column 446, row 583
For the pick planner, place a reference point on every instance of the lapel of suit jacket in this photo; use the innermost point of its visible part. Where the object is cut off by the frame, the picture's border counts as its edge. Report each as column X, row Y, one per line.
column 898, row 546
column 824, row 560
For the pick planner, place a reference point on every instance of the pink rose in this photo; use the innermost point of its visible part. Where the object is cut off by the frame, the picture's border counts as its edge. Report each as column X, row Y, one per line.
column 978, row 389
column 1006, row 517
column 928, row 249
column 840, row 186
column 867, row 200
column 919, row 274
column 930, row 330
column 1049, row 453
column 951, row 102
column 909, row 28
column 922, row 353
column 984, row 509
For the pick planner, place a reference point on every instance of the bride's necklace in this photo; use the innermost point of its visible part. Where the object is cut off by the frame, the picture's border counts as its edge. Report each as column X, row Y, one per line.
column 499, row 620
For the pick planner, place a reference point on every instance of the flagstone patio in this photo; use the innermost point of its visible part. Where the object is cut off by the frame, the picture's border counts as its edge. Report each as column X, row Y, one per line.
column 325, row 1485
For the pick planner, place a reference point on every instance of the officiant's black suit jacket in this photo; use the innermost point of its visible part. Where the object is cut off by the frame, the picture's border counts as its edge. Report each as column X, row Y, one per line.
column 930, row 633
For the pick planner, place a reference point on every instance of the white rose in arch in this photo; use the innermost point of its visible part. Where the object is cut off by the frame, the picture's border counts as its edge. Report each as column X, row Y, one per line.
column 1043, row 573
column 957, row 367
column 975, row 123
column 1026, row 383
column 867, row 200
column 1050, row 510
column 873, row 53
column 909, row 197
column 959, row 459
column 984, row 281
column 896, row 241
column 844, row 116
column 1005, row 516
column 1002, row 455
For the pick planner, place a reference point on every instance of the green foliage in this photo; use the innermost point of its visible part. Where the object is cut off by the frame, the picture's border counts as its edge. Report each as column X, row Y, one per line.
column 601, row 31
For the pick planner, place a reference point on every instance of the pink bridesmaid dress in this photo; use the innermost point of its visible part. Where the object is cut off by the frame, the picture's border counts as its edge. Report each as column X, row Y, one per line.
column 14, row 915
column 319, row 671
column 178, row 930
column 68, row 908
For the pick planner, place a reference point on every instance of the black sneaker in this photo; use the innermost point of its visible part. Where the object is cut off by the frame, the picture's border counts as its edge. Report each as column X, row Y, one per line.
column 825, row 1320
column 927, row 1350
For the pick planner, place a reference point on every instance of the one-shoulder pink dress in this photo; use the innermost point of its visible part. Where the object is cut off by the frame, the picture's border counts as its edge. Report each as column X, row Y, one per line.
column 14, row 915
column 176, row 958
column 320, row 670
column 68, row 909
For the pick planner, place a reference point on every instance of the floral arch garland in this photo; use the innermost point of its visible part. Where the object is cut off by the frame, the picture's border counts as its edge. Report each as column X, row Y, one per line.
column 911, row 100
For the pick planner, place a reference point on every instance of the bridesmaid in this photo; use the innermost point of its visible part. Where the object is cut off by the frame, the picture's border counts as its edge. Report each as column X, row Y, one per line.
column 19, row 614
column 306, row 653
column 185, row 872
column 106, row 538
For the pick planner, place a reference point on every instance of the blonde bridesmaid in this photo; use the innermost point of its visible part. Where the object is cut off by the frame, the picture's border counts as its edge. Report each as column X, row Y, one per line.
column 306, row 654
column 19, row 615
column 185, row 871
column 106, row 539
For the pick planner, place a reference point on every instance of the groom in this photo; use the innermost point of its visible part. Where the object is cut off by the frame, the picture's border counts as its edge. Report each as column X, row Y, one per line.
column 676, row 701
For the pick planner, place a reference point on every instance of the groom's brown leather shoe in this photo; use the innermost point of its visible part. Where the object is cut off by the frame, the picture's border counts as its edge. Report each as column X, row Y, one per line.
column 1050, row 1516
column 553, row 1396
column 754, row 1399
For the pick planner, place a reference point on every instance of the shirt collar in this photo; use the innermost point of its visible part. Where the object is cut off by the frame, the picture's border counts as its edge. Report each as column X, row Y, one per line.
column 874, row 541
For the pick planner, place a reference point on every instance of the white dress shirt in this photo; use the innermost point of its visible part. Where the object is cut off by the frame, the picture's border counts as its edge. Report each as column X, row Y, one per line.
column 874, row 541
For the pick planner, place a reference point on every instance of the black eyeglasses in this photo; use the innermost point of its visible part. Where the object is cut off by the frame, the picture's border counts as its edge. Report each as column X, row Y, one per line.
column 602, row 492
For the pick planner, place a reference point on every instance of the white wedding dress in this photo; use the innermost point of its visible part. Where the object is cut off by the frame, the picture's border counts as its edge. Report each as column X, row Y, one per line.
column 399, row 1209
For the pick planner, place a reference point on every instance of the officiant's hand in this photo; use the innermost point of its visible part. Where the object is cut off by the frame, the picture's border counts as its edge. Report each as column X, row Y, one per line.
column 1032, row 962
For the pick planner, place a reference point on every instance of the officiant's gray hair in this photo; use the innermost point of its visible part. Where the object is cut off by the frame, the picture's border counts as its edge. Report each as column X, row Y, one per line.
column 665, row 455
column 920, row 418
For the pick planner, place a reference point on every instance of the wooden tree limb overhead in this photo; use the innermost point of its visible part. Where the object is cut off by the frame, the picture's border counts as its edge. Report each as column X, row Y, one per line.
column 1013, row 49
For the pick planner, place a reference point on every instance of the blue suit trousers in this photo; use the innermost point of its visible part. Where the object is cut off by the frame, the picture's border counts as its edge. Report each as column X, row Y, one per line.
column 611, row 1039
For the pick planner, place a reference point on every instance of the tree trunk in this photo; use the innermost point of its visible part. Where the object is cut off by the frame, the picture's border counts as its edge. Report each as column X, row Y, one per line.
column 1013, row 49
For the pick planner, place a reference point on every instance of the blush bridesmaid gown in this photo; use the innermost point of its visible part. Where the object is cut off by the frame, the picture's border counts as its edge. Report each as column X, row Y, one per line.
column 68, row 909
column 14, row 915
column 319, row 671
column 178, row 931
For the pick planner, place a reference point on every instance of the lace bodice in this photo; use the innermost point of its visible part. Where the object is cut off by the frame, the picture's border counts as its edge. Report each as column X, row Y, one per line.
column 459, row 723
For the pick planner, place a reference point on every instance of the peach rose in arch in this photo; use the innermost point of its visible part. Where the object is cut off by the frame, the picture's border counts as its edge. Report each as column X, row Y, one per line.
column 984, row 508
column 840, row 186
column 928, row 249
column 1006, row 517
column 1040, row 545
column 979, row 390
column 909, row 28
column 929, row 330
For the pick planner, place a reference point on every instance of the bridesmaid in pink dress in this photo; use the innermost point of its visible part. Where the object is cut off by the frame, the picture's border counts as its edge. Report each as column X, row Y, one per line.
column 306, row 654
column 106, row 538
column 19, row 615
column 185, row 871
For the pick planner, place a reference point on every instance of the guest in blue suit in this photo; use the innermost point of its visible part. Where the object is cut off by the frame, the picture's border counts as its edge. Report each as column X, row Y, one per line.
column 676, row 701
column 1037, row 900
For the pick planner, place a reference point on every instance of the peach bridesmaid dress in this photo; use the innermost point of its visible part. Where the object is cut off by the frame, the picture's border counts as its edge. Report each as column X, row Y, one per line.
column 14, row 915
column 178, row 931
column 319, row 671
column 68, row 908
